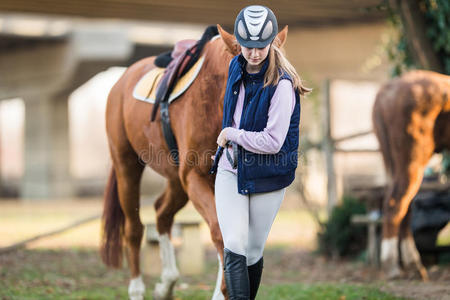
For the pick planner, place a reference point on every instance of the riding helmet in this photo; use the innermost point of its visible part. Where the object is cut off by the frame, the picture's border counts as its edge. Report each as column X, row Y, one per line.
column 255, row 26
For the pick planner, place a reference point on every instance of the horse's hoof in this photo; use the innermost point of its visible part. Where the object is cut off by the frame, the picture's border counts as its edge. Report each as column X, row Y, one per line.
column 416, row 270
column 424, row 274
column 162, row 292
column 394, row 273
column 136, row 289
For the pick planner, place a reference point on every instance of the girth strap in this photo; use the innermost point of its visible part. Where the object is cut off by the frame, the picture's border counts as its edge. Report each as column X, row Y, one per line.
column 167, row 131
column 162, row 98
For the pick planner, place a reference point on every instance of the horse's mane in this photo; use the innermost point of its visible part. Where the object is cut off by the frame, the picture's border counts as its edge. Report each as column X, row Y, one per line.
column 210, row 32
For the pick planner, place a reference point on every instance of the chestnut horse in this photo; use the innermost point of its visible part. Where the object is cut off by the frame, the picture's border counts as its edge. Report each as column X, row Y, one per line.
column 134, row 142
column 411, row 119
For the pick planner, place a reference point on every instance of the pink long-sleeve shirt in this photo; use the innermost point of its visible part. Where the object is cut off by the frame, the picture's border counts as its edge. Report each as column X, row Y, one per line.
column 271, row 138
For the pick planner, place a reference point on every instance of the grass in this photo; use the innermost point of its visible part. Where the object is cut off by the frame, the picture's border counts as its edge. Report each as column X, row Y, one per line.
column 67, row 266
column 322, row 291
column 79, row 274
column 305, row 292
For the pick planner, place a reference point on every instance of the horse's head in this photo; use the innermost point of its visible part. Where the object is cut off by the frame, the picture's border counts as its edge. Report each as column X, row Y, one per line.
column 233, row 47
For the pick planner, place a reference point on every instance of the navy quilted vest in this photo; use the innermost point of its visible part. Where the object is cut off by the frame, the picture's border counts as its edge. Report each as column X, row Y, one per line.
column 259, row 172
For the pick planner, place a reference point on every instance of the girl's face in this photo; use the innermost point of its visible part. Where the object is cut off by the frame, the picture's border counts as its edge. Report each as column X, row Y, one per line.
column 255, row 56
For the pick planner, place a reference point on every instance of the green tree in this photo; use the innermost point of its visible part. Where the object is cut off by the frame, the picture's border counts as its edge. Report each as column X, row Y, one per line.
column 424, row 35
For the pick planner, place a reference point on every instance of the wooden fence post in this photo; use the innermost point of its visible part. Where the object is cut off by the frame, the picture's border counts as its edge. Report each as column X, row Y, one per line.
column 328, row 148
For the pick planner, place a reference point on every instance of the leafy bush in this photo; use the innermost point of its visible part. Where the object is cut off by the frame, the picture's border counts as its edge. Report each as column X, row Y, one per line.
column 339, row 237
column 437, row 16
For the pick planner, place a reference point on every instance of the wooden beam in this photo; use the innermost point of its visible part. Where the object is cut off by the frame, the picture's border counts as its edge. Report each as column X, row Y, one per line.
column 352, row 136
column 293, row 13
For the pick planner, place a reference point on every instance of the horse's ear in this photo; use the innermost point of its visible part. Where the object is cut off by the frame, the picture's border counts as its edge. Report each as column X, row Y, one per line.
column 229, row 40
column 281, row 36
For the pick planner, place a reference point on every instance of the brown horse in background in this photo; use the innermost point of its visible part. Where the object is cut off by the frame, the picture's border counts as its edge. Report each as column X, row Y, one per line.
column 411, row 119
column 134, row 142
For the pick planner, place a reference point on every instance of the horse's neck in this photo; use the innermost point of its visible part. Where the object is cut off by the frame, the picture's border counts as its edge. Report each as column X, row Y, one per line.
column 217, row 61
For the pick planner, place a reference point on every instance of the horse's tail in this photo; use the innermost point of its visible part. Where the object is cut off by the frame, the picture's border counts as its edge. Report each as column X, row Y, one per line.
column 112, row 223
column 382, row 134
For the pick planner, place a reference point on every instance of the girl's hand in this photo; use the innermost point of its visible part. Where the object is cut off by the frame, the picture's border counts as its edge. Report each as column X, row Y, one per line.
column 222, row 138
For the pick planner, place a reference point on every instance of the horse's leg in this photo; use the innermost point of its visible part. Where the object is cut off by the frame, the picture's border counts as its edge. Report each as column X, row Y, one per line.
column 129, row 171
column 201, row 193
column 166, row 206
column 410, row 257
column 406, row 182
column 389, row 252
column 218, row 295
column 389, row 243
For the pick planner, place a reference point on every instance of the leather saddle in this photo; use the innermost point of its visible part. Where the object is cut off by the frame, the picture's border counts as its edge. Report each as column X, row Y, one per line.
column 146, row 88
column 186, row 55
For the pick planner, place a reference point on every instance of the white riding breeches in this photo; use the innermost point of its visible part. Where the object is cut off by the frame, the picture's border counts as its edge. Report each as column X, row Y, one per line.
column 244, row 220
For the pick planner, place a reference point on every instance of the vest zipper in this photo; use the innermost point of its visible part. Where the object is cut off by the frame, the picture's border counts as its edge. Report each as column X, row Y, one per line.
column 244, row 110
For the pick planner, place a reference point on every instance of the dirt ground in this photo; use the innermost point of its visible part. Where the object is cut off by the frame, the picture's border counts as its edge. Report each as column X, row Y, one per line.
column 289, row 256
column 311, row 268
column 282, row 265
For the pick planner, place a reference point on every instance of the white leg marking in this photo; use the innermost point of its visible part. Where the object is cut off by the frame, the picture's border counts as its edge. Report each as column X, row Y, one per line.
column 136, row 289
column 217, row 291
column 389, row 257
column 389, row 251
column 410, row 255
column 170, row 274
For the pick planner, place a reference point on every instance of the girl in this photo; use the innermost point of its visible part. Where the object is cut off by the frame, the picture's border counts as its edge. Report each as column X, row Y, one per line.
column 260, row 124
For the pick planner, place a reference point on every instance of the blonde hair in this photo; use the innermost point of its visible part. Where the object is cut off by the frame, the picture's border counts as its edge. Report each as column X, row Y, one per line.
column 278, row 64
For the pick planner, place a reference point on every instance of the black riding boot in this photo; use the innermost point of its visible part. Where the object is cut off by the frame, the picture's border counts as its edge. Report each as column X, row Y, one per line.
column 236, row 275
column 254, row 276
